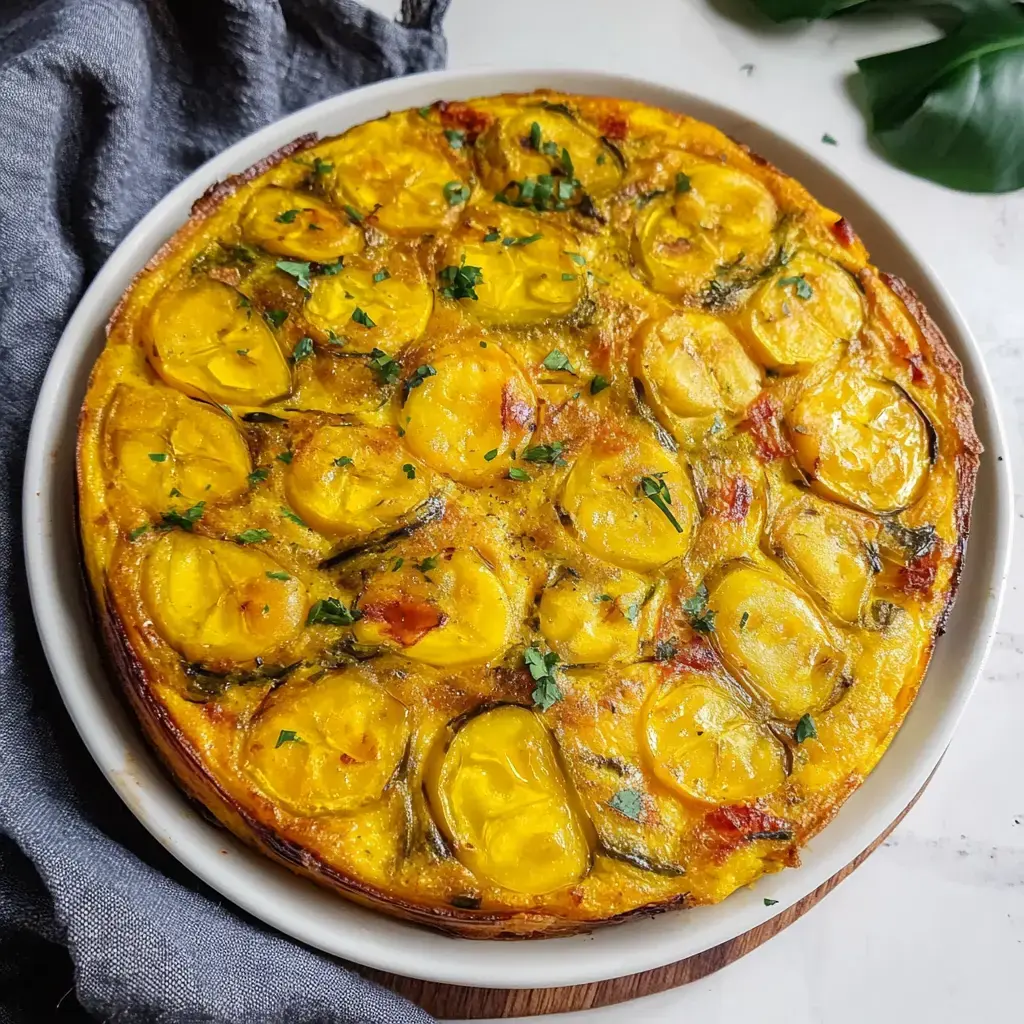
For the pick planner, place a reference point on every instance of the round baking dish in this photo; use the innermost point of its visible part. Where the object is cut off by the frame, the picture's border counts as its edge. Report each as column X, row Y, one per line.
column 297, row 907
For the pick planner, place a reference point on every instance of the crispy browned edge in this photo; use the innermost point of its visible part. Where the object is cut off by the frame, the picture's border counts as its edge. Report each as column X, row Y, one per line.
column 189, row 770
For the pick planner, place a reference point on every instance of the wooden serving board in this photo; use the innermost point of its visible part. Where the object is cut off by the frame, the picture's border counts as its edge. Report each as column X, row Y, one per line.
column 453, row 1002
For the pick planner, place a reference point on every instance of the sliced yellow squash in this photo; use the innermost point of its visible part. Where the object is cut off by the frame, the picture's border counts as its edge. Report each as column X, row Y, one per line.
column 503, row 803
column 288, row 222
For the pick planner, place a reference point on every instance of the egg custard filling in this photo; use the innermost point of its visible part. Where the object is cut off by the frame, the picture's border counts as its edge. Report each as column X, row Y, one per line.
column 520, row 514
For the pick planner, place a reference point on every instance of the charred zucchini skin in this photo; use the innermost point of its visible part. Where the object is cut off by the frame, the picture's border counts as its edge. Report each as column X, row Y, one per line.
column 735, row 458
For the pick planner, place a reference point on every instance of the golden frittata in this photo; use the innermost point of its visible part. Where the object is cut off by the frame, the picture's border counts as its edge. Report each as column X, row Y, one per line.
column 523, row 513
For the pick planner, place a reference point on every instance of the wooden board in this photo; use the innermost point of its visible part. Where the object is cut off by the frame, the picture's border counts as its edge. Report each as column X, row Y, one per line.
column 453, row 1002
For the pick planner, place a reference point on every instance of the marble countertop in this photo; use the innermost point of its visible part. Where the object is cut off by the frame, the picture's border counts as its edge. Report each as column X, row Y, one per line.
column 931, row 927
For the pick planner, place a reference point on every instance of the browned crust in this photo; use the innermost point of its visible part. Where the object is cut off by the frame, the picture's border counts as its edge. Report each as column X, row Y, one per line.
column 968, row 458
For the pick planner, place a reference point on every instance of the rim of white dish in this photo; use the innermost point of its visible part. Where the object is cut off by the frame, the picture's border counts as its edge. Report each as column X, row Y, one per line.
column 321, row 919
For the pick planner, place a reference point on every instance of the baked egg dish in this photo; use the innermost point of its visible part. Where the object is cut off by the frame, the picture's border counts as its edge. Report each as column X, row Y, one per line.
column 521, row 514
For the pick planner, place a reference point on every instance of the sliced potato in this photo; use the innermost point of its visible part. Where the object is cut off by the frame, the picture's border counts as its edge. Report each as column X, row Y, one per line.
column 862, row 441
column 449, row 609
column 329, row 747
column 396, row 170
column 213, row 601
column 828, row 547
column 161, row 442
column 513, row 150
column 703, row 743
column 502, row 801
column 722, row 217
column 802, row 313
column 350, row 481
column 691, row 364
column 587, row 622
column 772, row 637
column 288, row 222
column 208, row 342
column 399, row 306
column 477, row 401
column 527, row 277
column 611, row 516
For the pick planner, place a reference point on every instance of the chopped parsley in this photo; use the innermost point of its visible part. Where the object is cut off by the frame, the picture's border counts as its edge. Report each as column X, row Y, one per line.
column 743, row 620
column 805, row 730
column 702, row 619
column 682, row 183
column 254, row 536
column 329, row 611
column 138, row 532
column 557, row 360
column 330, row 269
column 382, row 275
column 546, row 453
column 515, row 473
column 303, row 349
column 342, row 461
column 523, row 240
column 542, row 669
column 568, row 277
column 157, row 457
column 769, row 903
column 492, row 236
column 491, row 455
column 287, row 217
column 632, row 613
column 275, row 317
column 665, row 650
column 545, row 192
column 460, row 282
column 292, row 517
column 575, row 257
column 656, row 489
column 278, row 576
column 353, row 214
column 629, row 803
column 386, row 367
column 298, row 270
column 321, row 166
column 285, row 457
column 456, row 139
column 399, row 562
column 362, row 317
column 598, row 384
column 257, row 476
column 410, row 470
column 287, row 736
column 803, row 289
column 874, row 558
column 645, row 198
column 183, row 520
column 175, row 493
column 419, row 375
column 456, row 193
column 535, row 136
column 829, row 140
column 428, row 563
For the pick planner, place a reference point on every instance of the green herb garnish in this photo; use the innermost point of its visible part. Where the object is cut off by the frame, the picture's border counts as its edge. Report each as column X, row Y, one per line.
column 296, row 269
column 138, row 532
column 275, row 317
column 524, row 240
column 287, row 736
column 285, row 457
column 598, row 384
column 456, row 139
column 183, row 520
column 428, row 563
column 628, row 802
column 410, row 470
column 557, row 360
column 656, row 489
column 805, row 729
column 254, row 536
column 287, row 217
column 303, row 349
column 702, row 619
column 342, row 461
column 419, row 375
column 361, row 317
column 292, row 517
column 491, row 455
column 575, row 257
column 460, row 282
column 353, row 214
column 803, row 289
column 542, row 669
column 515, row 473
column 157, row 457
column 257, row 476
column 386, row 367
column 455, row 193
column 282, row 576
column 329, row 611
column 682, row 183
column 546, row 453
column 382, row 275
column 744, row 618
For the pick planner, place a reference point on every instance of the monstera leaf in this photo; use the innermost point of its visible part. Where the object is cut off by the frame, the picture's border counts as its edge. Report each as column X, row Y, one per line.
column 952, row 110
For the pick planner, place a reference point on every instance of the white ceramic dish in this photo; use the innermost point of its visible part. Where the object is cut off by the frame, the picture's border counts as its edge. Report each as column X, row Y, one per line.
column 321, row 919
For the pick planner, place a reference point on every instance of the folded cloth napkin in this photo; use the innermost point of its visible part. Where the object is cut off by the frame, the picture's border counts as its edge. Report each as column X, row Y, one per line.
column 104, row 106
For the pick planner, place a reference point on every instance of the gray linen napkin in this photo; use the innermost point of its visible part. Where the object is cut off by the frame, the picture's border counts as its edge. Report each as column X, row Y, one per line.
column 104, row 106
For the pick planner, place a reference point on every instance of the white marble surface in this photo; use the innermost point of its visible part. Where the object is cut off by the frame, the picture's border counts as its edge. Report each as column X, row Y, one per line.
column 932, row 926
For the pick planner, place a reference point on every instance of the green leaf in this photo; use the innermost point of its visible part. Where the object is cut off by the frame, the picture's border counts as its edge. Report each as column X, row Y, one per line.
column 287, row 736
column 287, row 217
column 419, row 375
column 175, row 493
column 524, row 240
column 952, row 110
column 276, row 317
column 665, row 650
column 682, row 183
column 278, row 576
column 361, row 317
column 342, row 461
column 701, row 619
column 331, row 612
column 515, row 473
column 628, row 802
column 303, row 349
column 579, row 260
column 382, row 275
column 399, row 562
column 656, row 489
column 410, row 470
column 257, row 536
column 321, row 166
column 535, row 135
column 157, row 457
column 557, row 360
column 805, row 730
column 492, row 236
column 257, row 476
column 455, row 193
column 546, row 453
column 353, row 214
column 285, row 457
column 138, row 532
column 183, row 520
column 298, row 270
column 542, row 669
column 801, row 286
column 330, row 269
column 386, row 367
column 491, row 455
column 743, row 620
column 292, row 517
column 428, row 563
column 460, row 282
column 598, row 384
column 769, row 903
column 829, row 140
column 456, row 139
